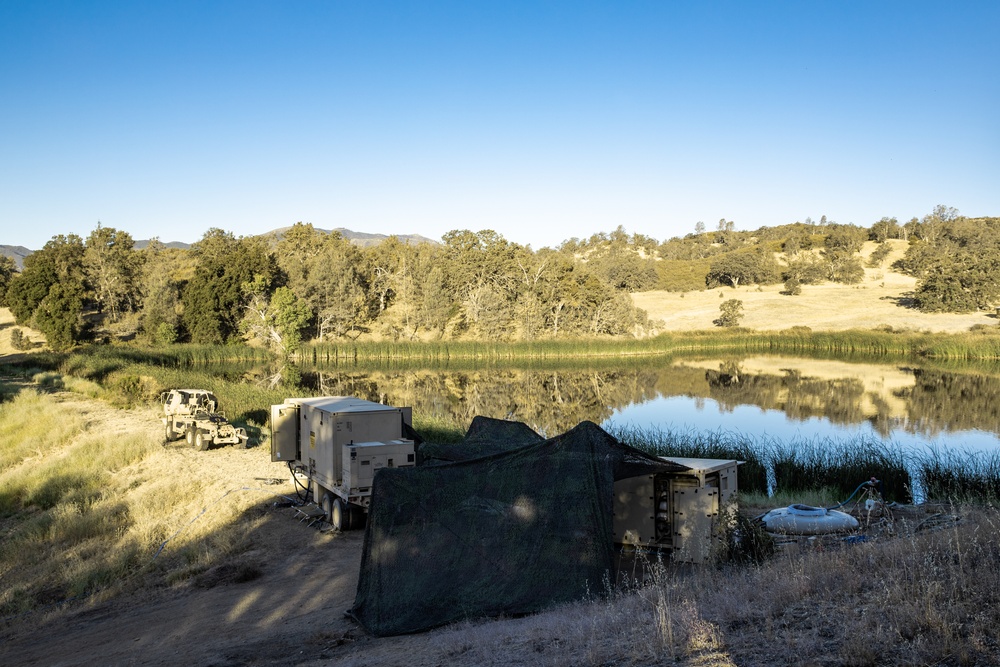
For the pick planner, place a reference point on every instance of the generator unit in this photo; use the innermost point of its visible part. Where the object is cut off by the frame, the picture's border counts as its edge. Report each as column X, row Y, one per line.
column 675, row 511
column 336, row 444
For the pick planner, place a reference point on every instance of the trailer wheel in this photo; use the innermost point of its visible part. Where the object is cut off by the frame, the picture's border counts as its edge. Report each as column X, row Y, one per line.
column 339, row 515
column 201, row 441
column 326, row 504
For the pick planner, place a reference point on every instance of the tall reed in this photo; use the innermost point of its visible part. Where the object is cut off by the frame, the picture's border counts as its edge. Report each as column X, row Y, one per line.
column 961, row 476
column 852, row 343
column 774, row 466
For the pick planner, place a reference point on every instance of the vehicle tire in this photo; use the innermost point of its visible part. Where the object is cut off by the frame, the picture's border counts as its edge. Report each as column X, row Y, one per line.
column 201, row 441
column 168, row 434
column 326, row 504
column 338, row 515
column 189, row 435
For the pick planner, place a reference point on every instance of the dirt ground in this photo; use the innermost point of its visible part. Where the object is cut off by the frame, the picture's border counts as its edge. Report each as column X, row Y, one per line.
column 292, row 614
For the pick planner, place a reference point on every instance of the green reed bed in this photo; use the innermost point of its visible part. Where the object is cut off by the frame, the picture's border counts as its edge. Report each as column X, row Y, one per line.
column 94, row 362
column 971, row 346
column 840, row 465
column 172, row 355
column 960, row 476
column 442, row 351
column 853, row 343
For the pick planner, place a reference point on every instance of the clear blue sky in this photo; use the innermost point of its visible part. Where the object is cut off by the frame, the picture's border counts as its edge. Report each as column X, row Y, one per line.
column 542, row 120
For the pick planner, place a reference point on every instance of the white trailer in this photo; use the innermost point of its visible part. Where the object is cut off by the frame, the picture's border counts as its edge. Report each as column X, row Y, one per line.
column 336, row 444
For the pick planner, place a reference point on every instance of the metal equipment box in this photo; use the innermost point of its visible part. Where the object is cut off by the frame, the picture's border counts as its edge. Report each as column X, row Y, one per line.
column 363, row 460
column 675, row 511
column 337, row 443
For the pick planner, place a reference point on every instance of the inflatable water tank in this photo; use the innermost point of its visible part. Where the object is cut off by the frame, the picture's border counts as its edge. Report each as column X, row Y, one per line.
column 807, row 520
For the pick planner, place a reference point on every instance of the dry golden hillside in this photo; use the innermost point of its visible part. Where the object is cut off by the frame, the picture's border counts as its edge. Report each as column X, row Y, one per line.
column 882, row 299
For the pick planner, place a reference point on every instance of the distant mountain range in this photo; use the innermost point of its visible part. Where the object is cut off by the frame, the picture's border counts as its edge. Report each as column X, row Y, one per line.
column 18, row 253
column 359, row 238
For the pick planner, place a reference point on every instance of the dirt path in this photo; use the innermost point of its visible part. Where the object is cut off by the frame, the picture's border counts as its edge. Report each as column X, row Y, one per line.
column 290, row 613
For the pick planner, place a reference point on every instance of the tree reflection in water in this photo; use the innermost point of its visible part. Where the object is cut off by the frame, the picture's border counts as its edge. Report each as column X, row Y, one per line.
column 889, row 399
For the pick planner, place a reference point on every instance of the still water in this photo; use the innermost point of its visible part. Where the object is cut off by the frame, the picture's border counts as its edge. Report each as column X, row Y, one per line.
column 682, row 414
column 762, row 397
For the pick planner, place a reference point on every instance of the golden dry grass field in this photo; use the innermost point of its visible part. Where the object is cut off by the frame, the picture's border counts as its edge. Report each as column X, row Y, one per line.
column 881, row 300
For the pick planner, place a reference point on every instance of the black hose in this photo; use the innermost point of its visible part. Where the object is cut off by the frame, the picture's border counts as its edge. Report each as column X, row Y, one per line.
column 304, row 495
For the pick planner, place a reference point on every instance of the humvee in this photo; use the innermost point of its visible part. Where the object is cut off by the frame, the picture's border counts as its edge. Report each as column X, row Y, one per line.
column 193, row 414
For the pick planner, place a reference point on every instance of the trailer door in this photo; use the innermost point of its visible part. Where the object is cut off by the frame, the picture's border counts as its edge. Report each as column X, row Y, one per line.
column 284, row 432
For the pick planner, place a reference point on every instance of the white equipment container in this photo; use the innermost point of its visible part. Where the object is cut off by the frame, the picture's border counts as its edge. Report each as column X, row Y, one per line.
column 338, row 443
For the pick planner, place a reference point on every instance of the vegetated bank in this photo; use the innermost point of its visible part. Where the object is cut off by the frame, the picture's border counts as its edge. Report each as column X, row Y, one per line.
column 131, row 376
column 983, row 345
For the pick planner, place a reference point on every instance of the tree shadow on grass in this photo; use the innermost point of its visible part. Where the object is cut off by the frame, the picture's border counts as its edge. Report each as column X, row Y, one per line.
column 904, row 300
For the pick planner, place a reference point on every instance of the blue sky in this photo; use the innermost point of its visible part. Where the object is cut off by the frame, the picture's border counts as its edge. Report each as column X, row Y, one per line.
column 541, row 120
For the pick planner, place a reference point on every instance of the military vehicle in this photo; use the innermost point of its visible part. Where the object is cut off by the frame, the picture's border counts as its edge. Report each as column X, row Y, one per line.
column 194, row 414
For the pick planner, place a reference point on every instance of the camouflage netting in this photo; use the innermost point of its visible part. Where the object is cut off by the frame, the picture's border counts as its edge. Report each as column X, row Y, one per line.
column 508, row 533
column 485, row 436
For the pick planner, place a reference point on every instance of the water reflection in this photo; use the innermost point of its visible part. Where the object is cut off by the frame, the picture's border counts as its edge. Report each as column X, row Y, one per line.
column 781, row 397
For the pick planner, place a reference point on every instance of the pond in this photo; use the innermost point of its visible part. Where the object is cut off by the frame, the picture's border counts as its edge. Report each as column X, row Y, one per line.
column 931, row 430
column 795, row 400
column 761, row 397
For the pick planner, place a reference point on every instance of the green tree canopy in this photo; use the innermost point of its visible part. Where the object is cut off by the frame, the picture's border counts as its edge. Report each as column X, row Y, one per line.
column 160, row 293
column 745, row 266
column 730, row 313
column 8, row 269
column 48, row 294
column 213, row 299
column 113, row 270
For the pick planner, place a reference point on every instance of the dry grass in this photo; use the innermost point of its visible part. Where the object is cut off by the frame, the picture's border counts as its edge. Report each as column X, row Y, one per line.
column 921, row 598
column 881, row 300
column 89, row 494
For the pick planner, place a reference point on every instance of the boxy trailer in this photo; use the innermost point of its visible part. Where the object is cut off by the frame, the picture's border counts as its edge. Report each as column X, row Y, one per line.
column 337, row 444
column 680, row 512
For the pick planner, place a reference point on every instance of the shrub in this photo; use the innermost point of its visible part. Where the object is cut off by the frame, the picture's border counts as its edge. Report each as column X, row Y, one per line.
column 878, row 255
column 18, row 340
column 792, row 286
column 730, row 313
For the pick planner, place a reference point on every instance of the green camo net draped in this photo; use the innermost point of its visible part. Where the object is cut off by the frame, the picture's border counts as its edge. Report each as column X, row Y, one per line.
column 510, row 532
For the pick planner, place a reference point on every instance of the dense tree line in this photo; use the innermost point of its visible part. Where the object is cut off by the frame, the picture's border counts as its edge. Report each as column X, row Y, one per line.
column 306, row 284
column 312, row 285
